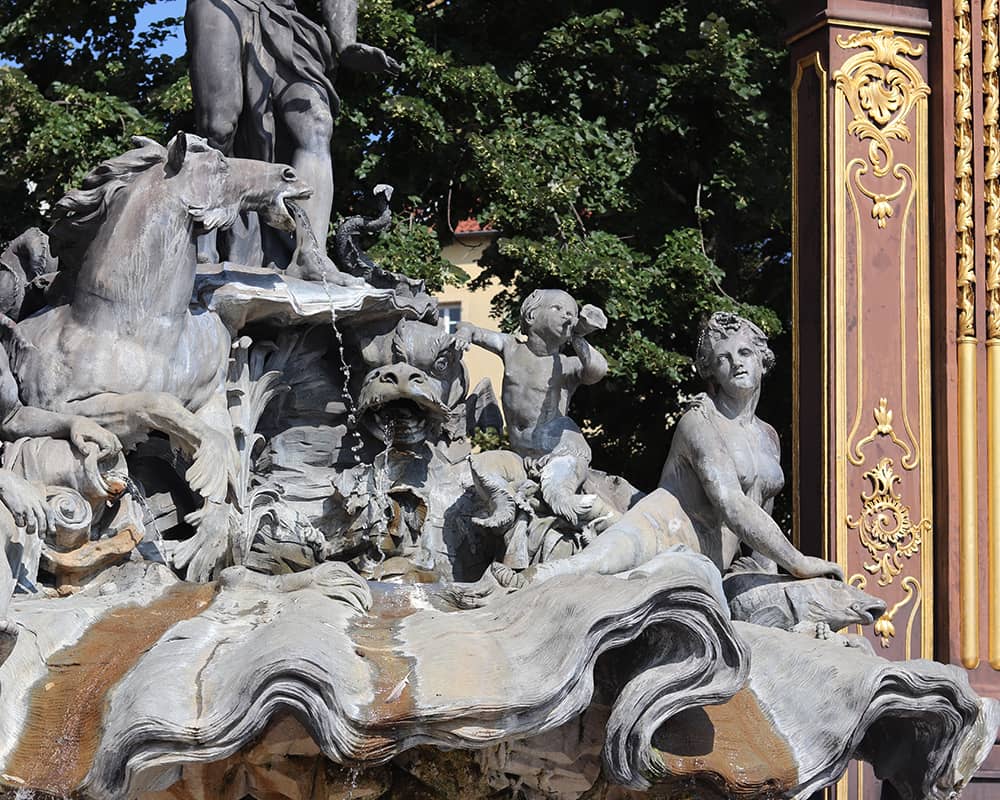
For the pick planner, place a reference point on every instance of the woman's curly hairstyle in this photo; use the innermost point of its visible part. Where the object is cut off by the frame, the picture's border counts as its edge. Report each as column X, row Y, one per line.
column 722, row 325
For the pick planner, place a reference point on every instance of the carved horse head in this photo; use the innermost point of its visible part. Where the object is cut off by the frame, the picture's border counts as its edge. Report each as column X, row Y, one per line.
column 126, row 238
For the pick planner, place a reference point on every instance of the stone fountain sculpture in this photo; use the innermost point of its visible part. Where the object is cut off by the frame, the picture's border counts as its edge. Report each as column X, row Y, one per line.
column 251, row 551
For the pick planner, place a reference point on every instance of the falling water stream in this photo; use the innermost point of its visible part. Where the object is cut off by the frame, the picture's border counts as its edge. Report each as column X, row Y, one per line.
column 345, row 371
column 305, row 239
column 150, row 549
column 148, row 517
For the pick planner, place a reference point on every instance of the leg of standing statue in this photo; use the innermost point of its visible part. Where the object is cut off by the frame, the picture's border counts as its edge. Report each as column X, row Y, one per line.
column 215, row 47
column 305, row 110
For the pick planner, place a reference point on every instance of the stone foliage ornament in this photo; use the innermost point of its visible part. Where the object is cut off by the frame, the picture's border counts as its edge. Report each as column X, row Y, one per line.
column 251, row 551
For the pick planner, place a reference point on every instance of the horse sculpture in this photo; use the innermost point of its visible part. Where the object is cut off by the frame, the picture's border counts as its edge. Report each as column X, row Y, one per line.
column 120, row 343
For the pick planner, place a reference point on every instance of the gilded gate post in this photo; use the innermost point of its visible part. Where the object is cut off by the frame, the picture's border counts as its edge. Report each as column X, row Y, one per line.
column 862, row 285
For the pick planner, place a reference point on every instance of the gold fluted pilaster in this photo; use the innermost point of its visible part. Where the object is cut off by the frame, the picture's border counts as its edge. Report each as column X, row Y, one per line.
column 968, row 582
column 966, row 333
column 991, row 223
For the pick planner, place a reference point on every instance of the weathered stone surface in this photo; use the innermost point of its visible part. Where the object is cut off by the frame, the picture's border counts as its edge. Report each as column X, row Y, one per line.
column 256, row 555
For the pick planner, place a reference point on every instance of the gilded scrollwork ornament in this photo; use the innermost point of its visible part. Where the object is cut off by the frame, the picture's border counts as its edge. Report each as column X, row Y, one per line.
column 885, row 626
column 881, row 86
column 991, row 164
column 964, row 243
column 885, row 527
column 883, row 427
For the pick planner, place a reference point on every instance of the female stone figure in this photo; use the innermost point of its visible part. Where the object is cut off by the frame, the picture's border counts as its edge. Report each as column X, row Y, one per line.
column 720, row 478
column 724, row 462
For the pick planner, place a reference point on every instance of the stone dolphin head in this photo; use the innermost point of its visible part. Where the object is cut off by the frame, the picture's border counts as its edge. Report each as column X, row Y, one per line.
column 401, row 405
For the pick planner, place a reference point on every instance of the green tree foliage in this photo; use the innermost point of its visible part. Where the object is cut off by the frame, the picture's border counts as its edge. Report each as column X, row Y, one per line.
column 634, row 155
column 84, row 83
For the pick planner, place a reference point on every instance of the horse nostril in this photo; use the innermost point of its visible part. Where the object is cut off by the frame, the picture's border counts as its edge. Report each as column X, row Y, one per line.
column 416, row 377
column 288, row 174
column 389, row 377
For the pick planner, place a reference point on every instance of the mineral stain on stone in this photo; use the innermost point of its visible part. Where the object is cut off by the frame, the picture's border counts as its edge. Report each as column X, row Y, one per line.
column 63, row 726
column 729, row 750
column 393, row 672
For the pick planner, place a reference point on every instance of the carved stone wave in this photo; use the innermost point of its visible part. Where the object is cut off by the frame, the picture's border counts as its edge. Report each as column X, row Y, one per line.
column 369, row 685
column 371, row 671
column 917, row 722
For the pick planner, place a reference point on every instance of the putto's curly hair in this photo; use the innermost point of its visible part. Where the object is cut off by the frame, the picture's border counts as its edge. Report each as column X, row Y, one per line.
column 722, row 325
column 536, row 300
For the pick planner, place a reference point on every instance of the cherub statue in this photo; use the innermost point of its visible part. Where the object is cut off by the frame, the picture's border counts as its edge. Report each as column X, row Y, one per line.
column 538, row 383
column 719, row 481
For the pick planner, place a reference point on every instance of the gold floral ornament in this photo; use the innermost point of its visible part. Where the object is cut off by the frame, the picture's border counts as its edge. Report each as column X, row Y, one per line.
column 964, row 221
column 884, row 527
column 991, row 163
column 881, row 86
column 883, row 427
column 884, row 627
column 883, row 417
column 881, row 209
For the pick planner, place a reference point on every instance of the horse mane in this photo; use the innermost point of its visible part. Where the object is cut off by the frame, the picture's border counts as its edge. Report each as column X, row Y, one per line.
column 77, row 215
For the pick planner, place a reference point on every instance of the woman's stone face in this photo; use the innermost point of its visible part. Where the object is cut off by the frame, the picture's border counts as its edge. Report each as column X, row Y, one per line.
column 737, row 366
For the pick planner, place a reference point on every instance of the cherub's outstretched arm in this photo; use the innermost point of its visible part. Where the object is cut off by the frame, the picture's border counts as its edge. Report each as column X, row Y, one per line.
column 467, row 333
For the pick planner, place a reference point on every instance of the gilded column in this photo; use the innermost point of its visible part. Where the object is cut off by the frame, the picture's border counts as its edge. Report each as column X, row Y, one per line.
column 966, row 338
column 864, row 344
column 991, row 126
column 881, row 310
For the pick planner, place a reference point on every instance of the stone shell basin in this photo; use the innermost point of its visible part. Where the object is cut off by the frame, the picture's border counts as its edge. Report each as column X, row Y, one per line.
column 320, row 684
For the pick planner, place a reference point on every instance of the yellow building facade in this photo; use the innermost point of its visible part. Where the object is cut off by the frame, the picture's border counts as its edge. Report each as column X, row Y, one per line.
column 462, row 304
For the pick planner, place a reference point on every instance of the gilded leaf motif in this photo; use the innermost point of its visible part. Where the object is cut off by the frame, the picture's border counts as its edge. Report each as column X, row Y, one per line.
column 881, row 85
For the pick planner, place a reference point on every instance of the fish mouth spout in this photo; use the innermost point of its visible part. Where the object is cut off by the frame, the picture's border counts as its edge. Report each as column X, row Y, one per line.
column 399, row 422
column 869, row 612
column 400, row 404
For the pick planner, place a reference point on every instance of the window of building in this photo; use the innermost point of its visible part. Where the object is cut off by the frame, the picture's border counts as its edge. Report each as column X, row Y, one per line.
column 451, row 315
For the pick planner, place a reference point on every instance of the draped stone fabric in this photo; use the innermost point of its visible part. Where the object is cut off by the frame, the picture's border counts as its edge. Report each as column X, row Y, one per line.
column 281, row 46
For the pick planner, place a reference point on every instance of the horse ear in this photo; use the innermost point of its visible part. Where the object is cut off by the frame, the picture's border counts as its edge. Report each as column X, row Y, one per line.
column 176, row 153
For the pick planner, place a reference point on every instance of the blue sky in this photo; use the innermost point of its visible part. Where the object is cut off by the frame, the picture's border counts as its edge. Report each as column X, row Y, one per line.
column 159, row 10
column 151, row 13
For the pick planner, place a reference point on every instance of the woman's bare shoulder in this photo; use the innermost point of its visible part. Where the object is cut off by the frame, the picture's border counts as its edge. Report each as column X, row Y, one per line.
column 696, row 420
